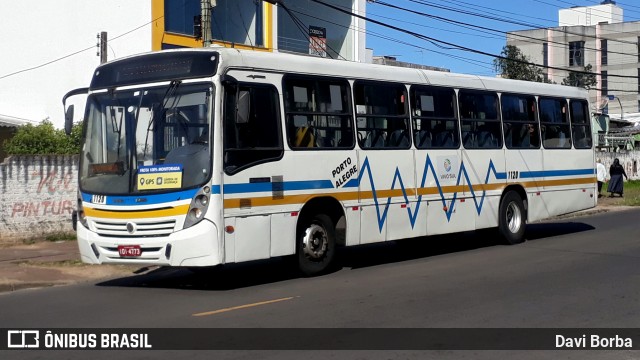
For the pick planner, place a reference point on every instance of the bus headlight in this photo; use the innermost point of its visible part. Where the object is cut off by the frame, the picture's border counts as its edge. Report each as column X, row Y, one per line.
column 195, row 213
column 198, row 208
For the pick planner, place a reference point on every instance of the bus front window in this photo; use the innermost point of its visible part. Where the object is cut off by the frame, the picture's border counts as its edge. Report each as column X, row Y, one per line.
column 132, row 134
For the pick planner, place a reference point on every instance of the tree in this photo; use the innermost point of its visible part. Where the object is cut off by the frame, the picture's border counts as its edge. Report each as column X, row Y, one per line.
column 580, row 79
column 44, row 139
column 515, row 65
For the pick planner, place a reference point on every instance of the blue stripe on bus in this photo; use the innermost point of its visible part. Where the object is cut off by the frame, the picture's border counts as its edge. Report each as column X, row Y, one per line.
column 269, row 186
column 153, row 199
column 554, row 173
column 243, row 188
column 150, row 199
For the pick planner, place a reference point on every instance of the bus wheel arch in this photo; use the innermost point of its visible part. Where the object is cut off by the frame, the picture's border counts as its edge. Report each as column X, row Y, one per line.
column 512, row 214
column 316, row 238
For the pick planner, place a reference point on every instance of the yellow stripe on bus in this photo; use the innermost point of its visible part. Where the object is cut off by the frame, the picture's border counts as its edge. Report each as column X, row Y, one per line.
column 137, row 214
column 251, row 202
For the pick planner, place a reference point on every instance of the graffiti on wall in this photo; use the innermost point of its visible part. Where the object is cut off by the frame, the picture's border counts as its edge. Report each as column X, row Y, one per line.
column 53, row 182
column 50, row 184
column 42, row 208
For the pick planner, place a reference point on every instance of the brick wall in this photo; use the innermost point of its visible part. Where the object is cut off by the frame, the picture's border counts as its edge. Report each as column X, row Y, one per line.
column 37, row 196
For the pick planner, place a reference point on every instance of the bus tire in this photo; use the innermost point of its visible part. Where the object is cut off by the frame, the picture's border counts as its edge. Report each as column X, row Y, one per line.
column 316, row 245
column 512, row 218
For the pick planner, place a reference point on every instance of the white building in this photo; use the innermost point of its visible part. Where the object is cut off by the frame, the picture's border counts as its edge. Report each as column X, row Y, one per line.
column 49, row 47
column 596, row 36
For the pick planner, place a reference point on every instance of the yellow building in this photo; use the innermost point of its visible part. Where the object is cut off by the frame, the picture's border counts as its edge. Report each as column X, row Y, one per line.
column 301, row 26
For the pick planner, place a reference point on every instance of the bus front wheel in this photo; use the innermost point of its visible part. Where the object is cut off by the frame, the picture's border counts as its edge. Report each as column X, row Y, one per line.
column 512, row 218
column 316, row 245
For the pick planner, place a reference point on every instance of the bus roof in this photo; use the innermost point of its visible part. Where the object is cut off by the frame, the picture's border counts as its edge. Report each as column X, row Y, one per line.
column 291, row 63
column 231, row 58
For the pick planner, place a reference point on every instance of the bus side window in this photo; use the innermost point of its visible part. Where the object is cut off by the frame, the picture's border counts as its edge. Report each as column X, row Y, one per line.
column 520, row 121
column 480, row 121
column 318, row 113
column 580, row 124
column 555, row 123
column 382, row 115
column 434, row 117
column 257, row 138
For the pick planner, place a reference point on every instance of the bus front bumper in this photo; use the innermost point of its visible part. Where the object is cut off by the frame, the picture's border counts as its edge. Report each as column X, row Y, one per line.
column 195, row 246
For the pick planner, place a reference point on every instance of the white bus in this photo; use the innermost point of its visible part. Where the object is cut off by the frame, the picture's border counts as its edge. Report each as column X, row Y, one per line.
column 201, row 157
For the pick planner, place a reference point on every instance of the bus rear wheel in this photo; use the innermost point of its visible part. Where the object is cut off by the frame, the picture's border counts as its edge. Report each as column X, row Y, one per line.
column 512, row 218
column 316, row 245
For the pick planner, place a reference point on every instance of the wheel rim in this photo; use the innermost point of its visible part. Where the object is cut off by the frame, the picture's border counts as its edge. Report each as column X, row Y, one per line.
column 314, row 242
column 514, row 217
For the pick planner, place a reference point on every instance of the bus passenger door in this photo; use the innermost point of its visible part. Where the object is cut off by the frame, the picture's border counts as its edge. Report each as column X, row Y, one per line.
column 253, row 173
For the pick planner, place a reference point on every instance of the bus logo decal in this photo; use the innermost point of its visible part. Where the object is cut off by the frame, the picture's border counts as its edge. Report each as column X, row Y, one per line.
column 447, row 165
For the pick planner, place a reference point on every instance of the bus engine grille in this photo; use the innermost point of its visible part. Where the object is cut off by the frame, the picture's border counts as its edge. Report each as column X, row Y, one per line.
column 135, row 229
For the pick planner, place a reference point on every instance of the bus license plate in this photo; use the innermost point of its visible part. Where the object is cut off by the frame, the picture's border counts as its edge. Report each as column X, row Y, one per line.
column 129, row 250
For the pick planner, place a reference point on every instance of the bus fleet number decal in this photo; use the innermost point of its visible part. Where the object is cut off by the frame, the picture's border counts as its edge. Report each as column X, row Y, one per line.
column 343, row 172
column 513, row 174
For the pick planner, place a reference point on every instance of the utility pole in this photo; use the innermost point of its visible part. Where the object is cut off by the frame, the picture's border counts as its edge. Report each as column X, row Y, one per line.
column 102, row 46
column 205, row 10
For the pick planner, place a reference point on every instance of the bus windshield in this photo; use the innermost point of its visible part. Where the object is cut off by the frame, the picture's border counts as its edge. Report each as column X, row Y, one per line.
column 147, row 139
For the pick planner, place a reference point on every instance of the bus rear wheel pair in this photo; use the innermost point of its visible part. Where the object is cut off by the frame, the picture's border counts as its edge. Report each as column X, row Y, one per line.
column 512, row 218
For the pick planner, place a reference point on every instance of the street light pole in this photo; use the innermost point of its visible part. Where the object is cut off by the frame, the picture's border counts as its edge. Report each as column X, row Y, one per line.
column 621, row 114
column 205, row 11
column 611, row 97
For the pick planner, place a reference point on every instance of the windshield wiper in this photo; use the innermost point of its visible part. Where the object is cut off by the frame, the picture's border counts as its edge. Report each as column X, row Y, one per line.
column 171, row 90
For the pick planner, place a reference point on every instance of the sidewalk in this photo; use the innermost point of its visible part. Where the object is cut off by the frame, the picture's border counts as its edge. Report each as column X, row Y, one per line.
column 58, row 263
column 50, row 264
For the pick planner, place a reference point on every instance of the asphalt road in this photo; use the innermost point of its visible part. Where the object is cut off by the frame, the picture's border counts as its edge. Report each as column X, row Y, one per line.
column 573, row 273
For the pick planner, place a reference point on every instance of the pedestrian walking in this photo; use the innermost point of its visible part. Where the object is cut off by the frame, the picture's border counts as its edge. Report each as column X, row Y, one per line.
column 616, row 183
column 601, row 173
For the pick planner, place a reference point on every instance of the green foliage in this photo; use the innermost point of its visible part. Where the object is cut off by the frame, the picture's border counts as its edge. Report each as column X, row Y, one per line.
column 44, row 139
column 60, row 236
column 515, row 65
column 582, row 80
column 631, row 194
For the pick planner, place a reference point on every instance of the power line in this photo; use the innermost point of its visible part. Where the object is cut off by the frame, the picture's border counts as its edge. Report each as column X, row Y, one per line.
column 47, row 63
column 474, row 62
column 460, row 47
column 500, row 13
column 468, row 25
column 300, row 25
column 433, row 27
column 501, row 19
column 75, row 53
column 397, row 41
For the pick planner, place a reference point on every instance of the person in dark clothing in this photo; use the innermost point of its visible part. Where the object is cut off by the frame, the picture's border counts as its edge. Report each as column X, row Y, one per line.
column 616, row 183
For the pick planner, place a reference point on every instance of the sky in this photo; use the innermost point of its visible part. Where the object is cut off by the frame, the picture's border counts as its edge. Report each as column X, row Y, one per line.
column 540, row 13
column 34, row 101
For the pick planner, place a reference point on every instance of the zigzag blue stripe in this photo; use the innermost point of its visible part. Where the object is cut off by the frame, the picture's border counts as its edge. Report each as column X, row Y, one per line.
column 428, row 165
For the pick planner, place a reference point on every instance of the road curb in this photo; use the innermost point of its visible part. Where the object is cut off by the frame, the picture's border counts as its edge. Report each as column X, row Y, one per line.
column 10, row 287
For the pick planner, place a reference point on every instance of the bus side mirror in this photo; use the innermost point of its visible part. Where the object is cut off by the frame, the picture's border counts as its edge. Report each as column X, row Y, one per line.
column 244, row 104
column 68, row 113
column 68, row 120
